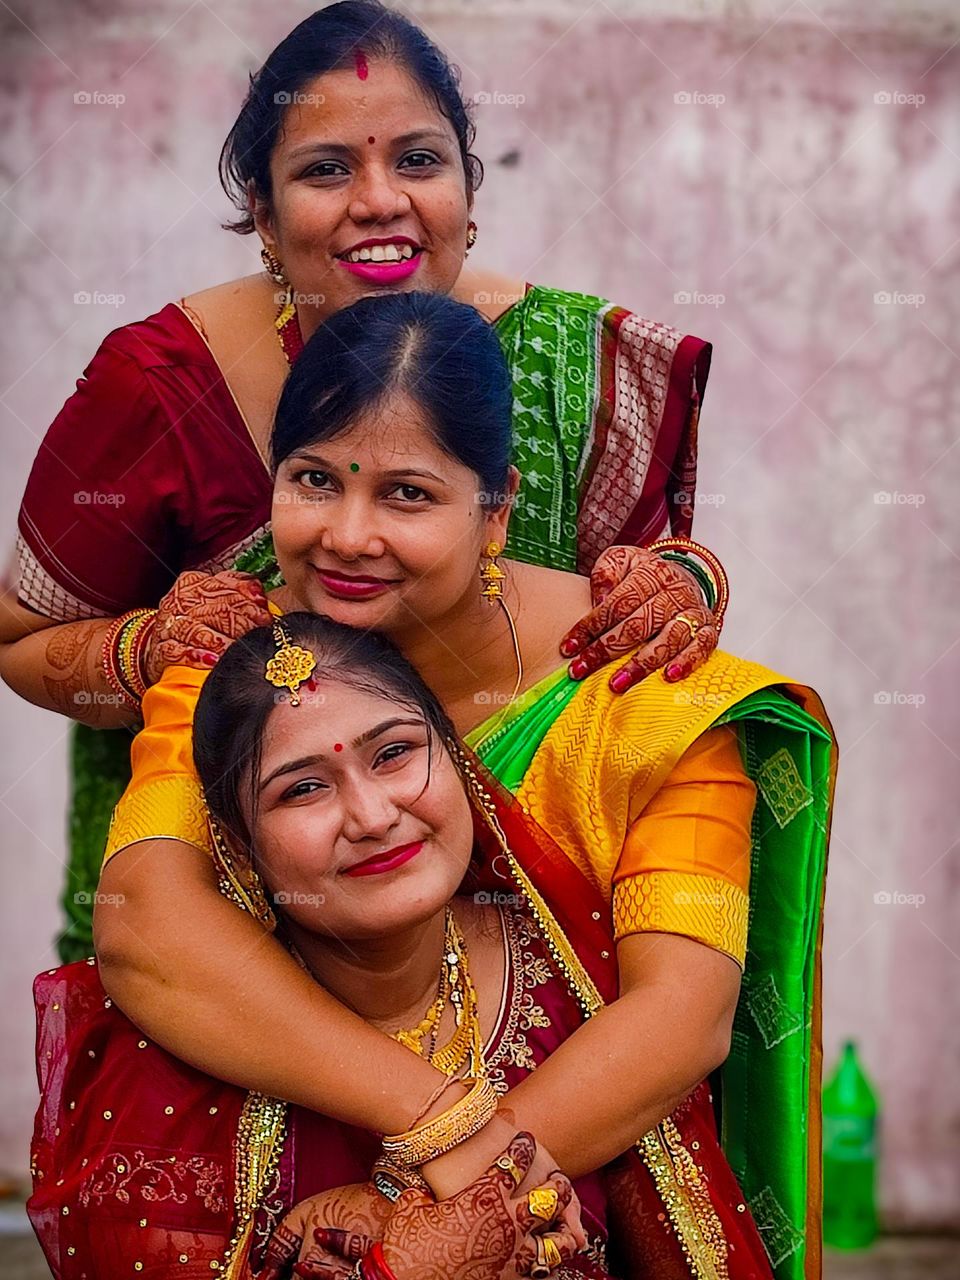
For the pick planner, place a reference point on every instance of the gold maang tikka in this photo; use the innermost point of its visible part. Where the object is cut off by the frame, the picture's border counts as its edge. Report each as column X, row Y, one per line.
column 290, row 666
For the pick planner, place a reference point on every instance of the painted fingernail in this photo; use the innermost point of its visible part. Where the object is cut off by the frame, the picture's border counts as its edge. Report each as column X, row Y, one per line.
column 568, row 648
column 208, row 659
column 621, row 681
column 579, row 668
column 674, row 671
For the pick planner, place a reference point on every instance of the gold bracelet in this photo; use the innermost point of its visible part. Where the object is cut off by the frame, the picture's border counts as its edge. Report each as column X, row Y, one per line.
column 444, row 1132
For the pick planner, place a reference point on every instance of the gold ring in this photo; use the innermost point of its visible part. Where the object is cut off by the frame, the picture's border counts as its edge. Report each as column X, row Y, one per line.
column 509, row 1165
column 542, row 1203
column 552, row 1255
column 541, row 1268
column 692, row 623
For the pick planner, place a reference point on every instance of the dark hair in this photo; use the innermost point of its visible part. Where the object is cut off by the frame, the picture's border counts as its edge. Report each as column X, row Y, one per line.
column 236, row 701
column 440, row 353
column 328, row 41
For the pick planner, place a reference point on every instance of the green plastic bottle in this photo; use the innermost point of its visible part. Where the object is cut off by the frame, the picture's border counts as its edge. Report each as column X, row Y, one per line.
column 850, row 1114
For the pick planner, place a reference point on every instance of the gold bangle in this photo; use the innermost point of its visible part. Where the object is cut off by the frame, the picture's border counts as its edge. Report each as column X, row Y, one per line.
column 130, row 650
column 444, row 1132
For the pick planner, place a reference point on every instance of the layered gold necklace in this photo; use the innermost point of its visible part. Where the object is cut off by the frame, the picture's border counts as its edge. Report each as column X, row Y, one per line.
column 455, row 987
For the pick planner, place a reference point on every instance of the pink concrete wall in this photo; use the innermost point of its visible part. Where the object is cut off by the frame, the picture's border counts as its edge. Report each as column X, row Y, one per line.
column 770, row 208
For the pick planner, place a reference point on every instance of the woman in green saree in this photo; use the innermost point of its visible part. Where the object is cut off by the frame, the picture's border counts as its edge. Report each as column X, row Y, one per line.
column 367, row 480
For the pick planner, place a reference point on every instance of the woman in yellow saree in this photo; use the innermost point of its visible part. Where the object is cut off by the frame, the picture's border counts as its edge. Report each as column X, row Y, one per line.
column 593, row 775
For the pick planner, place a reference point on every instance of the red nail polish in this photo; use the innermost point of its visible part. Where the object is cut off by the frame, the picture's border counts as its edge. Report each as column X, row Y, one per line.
column 621, row 681
column 579, row 668
column 208, row 659
column 568, row 648
column 674, row 671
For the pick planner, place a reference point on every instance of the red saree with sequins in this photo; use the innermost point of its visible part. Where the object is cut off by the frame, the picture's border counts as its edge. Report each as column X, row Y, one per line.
column 140, row 1162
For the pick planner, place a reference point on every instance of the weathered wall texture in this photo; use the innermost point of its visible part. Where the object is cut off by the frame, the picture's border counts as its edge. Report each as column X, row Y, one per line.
column 796, row 204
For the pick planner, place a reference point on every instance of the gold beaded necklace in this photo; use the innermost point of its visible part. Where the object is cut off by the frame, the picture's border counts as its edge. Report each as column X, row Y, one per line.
column 455, row 987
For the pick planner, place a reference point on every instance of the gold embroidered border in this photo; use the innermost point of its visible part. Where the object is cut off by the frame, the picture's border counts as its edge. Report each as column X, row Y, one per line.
column 706, row 908
column 165, row 809
column 674, row 1171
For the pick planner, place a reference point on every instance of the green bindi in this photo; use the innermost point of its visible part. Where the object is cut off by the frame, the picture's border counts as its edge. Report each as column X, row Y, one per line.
column 354, row 466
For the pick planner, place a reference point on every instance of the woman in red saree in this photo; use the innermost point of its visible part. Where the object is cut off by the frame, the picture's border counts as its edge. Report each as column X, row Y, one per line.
column 156, row 465
column 144, row 1165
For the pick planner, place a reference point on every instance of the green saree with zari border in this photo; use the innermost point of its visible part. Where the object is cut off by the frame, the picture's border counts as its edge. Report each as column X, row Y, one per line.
column 568, row 751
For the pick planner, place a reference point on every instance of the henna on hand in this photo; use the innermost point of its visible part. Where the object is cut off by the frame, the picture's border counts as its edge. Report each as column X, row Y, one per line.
column 200, row 616
column 326, row 1231
column 476, row 1234
column 638, row 597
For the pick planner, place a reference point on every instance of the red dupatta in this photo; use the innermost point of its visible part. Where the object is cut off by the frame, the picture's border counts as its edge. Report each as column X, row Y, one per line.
column 134, row 1153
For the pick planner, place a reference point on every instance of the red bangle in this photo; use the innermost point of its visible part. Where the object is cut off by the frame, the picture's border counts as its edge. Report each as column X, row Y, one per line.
column 373, row 1264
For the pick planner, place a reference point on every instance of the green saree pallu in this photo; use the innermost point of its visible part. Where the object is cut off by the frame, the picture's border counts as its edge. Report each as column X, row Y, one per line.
column 553, row 748
column 606, row 410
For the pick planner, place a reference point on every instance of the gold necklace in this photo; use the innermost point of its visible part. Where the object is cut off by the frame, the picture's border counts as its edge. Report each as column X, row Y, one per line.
column 456, row 986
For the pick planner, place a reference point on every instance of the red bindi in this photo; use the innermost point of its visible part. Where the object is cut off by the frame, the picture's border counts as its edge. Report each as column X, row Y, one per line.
column 371, row 141
column 362, row 69
column 338, row 746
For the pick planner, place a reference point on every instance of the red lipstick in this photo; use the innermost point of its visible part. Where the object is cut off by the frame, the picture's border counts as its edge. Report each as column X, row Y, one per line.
column 352, row 586
column 388, row 861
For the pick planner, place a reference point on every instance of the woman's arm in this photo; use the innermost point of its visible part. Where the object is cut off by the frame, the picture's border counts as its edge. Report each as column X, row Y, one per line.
column 58, row 666
column 181, row 960
column 625, row 1069
column 210, row 984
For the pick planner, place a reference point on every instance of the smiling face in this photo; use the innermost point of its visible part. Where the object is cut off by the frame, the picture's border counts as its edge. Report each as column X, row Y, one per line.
column 362, row 826
column 381, row 528
column 360, row 160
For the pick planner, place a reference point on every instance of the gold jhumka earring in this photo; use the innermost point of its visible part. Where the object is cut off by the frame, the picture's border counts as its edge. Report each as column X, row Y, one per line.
column 492, row 578
column 274, row 269
column 471, row 235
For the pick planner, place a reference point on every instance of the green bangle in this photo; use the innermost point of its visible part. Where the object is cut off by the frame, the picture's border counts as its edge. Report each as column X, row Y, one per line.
column 704, row 580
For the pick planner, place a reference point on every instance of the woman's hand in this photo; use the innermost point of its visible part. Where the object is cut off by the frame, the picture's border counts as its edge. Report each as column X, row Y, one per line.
column 482, row 1233
column 200, row 616
column 638, row 598
column 330, row 1230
